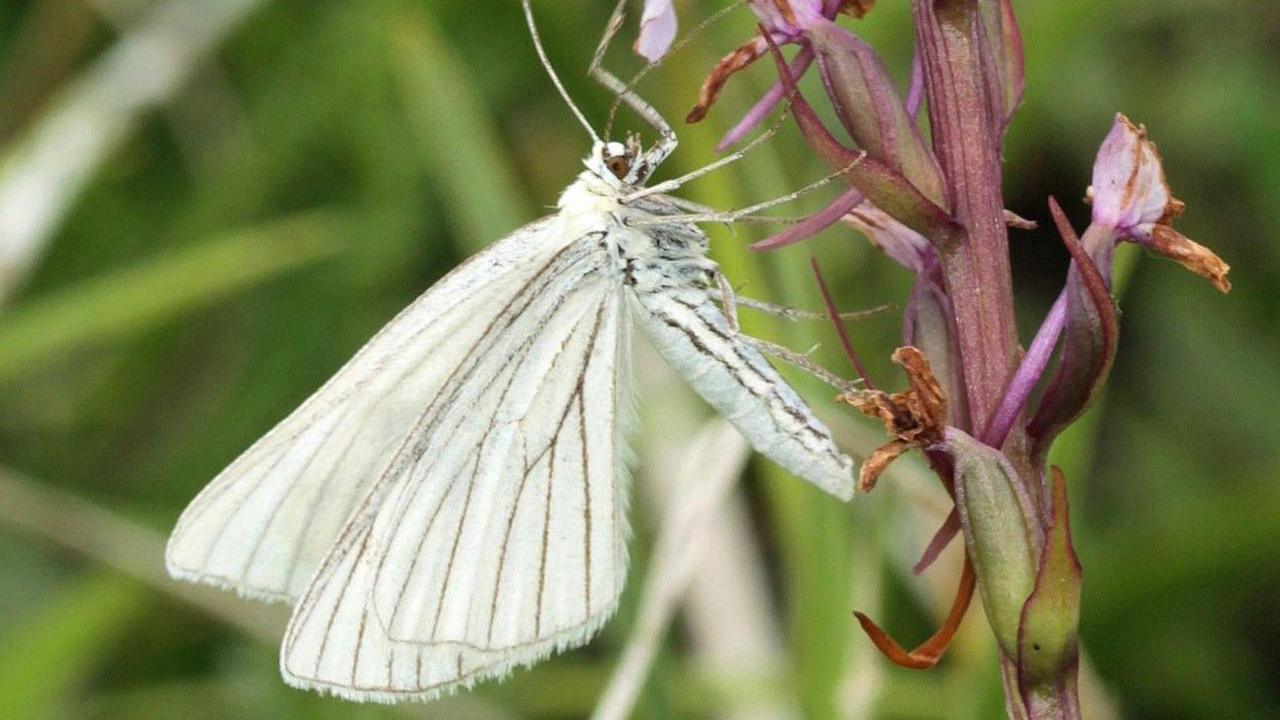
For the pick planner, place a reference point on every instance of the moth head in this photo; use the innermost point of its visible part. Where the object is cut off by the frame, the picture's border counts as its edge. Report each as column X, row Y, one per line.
column 620, row 163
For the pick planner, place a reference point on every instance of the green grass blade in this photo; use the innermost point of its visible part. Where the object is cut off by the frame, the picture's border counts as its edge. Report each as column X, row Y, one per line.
column 457, row 139
column 139, row 297
column 45, row 656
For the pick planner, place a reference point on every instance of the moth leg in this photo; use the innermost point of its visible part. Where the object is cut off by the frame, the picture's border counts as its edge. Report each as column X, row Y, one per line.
column 792, row 357
column 794, row 314
column 692, row 207
column 622, row 91
column 730, row 216
column 728, row 300
column 675, row 183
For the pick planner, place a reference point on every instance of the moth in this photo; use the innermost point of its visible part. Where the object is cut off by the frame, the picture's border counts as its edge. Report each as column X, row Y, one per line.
column 452, row 503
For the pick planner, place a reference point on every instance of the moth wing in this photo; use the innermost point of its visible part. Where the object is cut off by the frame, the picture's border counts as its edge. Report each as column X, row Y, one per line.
column 497, row 534
column 262, row 526
column 689, row 330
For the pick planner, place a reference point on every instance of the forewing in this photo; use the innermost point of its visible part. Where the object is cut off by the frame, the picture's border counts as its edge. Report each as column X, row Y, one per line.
column 689, row 330
column 497, row 534
column 262, row 525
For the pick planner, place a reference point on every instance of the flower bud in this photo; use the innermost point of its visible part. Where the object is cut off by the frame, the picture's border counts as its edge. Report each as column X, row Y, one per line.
column 927, row 324
column 1000, row 533
column 870, row 108
column 1048, row 635
column 882, row 185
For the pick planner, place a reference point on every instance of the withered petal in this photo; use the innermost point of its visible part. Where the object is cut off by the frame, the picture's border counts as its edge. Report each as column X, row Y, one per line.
column 1191, row 255
column 880, row 461
column 927, row 654
column 735, row 61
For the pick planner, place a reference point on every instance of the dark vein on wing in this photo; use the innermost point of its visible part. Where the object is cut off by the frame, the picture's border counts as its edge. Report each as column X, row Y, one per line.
column 411, row 452
column 586, row 505
column 749, row 364
column 585, row 451
column 355, row 658
column 477, row 451
column 546, row 525
column 237, row 472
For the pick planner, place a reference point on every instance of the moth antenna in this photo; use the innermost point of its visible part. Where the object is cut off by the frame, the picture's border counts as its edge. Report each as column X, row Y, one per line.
column 551, row 72
column 610, row 30
column 676, row 47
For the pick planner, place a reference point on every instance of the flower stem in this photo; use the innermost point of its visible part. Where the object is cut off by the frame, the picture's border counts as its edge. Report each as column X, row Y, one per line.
column 966, row 115
column 976, row 262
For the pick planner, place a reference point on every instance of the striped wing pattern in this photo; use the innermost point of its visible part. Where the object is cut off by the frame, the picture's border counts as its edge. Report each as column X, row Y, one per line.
column 452, row 504
column 262, row 526
column 496, row 534
column 689, row 329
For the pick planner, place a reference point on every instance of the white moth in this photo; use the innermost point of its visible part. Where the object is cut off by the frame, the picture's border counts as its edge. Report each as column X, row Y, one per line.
column 452, row 503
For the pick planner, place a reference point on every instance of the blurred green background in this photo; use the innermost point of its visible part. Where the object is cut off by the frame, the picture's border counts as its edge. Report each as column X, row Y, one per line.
column 259, row 214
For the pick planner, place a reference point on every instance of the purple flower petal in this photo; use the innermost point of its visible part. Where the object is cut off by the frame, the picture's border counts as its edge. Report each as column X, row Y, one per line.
column 813, row 224
column 789, row 18
column 1089, row 335
column 657, row 29
column 941, row 539
column 1128, row 187
column 786, row 21
column 1130, row 196
column 903, row 245
column 758, row 112
column 1028, row 375
column 915, row 90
